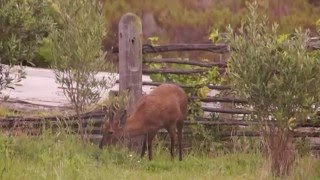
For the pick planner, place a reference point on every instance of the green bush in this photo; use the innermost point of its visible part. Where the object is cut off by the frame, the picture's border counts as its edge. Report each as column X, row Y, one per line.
column 23, row 24
column 77, row 54
column 9, row 76
column 278, row 77
column 76, row 50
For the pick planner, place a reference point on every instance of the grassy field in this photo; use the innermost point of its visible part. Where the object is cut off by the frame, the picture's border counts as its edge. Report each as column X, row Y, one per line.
column 60, row 156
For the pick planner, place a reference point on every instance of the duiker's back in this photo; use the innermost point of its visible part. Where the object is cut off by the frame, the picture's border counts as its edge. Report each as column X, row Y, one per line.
column 173, row 93
column 165, row 105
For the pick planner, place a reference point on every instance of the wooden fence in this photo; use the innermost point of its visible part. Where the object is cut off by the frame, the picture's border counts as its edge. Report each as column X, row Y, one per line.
column 131, row 62
column 130, row 52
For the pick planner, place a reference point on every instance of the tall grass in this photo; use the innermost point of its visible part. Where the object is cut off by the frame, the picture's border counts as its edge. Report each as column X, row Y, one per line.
column 63, row 156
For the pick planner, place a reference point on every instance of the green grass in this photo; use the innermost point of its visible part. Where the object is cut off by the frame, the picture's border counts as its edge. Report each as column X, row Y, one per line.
column 6, row 112
column 57, row 156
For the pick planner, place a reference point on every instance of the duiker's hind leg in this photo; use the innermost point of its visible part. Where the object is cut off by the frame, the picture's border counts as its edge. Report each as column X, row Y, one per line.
column 147, row 143
column 172, row 133
column 179, row 129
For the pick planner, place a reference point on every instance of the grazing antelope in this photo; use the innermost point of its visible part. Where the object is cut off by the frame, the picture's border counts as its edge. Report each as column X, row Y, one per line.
column 165, row 107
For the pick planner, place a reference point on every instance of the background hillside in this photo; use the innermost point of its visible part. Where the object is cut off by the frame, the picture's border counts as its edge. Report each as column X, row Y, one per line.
column 191, row 21
column 27, row 26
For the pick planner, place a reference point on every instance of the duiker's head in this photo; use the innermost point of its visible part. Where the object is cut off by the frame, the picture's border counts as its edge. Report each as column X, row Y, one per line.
column 111, row 130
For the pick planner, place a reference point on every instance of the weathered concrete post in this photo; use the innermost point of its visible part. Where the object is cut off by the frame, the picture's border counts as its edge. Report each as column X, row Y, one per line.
column 130, row 57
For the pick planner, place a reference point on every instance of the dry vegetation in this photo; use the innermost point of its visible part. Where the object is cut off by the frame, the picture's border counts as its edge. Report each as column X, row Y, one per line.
column 189, row 21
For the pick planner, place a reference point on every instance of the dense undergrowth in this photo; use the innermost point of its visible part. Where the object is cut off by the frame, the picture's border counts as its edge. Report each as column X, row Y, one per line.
column 62, row 156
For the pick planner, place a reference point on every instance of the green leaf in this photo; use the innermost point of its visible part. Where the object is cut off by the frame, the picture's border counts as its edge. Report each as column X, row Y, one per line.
column 282, row 38
column 318, row 22
column 214, row 35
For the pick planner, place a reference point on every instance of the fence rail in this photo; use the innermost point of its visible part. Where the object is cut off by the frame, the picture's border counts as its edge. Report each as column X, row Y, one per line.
column 313, row 44
column 210, row 86
column 93, row 122
column 186, row 62
column 229, row 111
column 215, row 48
column 174, row 71
column 221, row 99
column 97, row 118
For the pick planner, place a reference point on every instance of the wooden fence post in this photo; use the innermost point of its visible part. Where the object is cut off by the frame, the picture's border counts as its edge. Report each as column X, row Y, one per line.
column 130, row 57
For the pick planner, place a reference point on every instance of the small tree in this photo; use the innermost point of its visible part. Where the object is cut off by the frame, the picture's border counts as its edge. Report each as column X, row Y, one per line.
column 280, row 79
column 77, row 54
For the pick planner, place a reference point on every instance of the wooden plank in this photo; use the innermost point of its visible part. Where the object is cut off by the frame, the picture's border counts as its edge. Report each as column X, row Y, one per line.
column 313, row 44
column 216, row 87
column 307, row 134
column 229, row 111
column 256, row 134
column 237, row 122
column 88, row 116
column 97, row 123
column 229, row 122
column 214, row 48
column 221, row 99
column 187, row 62
column 94, row 118
column 174, row 71
column 239, row 133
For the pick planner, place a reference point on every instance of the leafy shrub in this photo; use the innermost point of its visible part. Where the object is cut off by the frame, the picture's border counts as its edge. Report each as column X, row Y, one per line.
column 76, row 50
column 278, row 77
column 23, row 24
column 9, row 76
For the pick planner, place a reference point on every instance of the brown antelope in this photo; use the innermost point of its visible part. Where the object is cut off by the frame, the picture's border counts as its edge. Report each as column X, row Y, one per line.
column 165, row 107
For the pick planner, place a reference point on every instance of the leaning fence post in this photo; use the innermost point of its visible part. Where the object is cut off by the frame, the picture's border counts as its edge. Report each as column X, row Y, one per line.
column 130, row 57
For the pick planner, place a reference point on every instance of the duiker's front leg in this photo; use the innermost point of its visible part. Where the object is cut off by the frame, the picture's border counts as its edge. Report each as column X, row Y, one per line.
column 150, row 137
column 144, row 146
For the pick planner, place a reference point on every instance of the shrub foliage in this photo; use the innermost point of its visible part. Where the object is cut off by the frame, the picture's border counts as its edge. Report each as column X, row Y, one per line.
column 280, row 79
